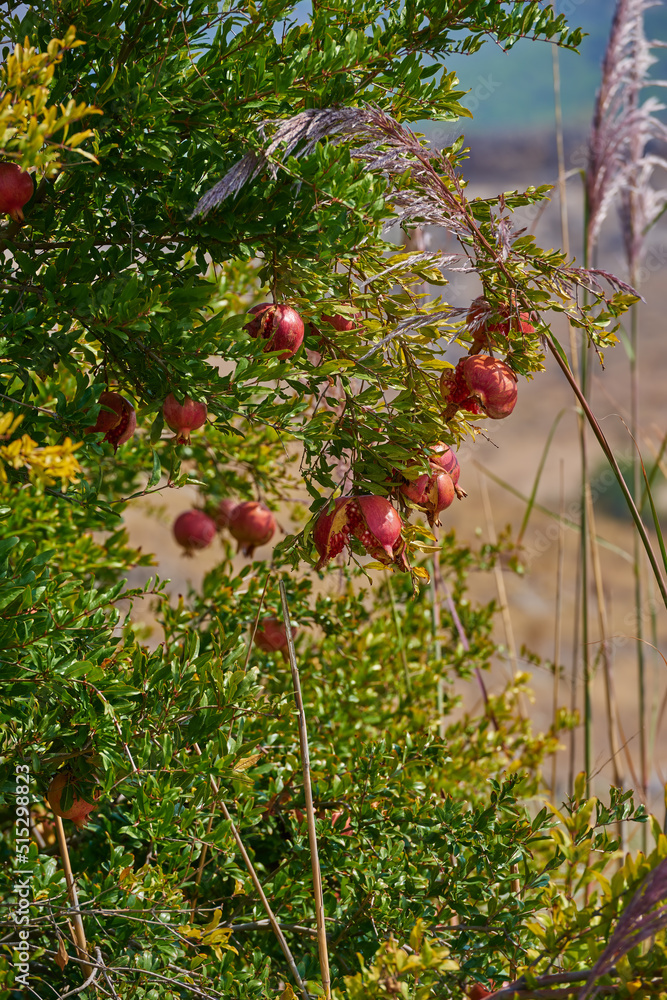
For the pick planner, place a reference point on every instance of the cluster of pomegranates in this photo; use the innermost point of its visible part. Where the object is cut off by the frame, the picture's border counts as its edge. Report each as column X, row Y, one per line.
column 117, row 418
column 480, row 383
column 376, row 523
column 250, row 523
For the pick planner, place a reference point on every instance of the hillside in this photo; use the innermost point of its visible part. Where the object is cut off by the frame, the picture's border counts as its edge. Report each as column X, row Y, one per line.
column 510, row 93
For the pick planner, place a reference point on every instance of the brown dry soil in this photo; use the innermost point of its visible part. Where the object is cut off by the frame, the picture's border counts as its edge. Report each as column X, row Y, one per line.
column 512, row 454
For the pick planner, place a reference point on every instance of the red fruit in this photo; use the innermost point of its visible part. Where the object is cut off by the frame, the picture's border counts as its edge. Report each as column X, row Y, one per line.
column 16, row 189
column 431, row 493
column 223, row 513
column 80, row 809
column 484, row 321
column 480, row 384
column 117, row 419
column 347, row 829
column 271, row 636
column 183, row 417
column 371, row 519
column 343, row 323
column 478, row 992
column 442, row 455
column 251, row 524
column 194, row 530
column 281, row 325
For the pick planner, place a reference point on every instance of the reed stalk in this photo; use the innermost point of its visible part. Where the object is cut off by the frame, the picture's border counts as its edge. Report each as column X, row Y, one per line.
column 79, row 932
column 558, row 628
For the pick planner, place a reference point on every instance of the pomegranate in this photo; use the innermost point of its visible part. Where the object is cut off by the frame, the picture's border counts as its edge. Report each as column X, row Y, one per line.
column 271, row 636
column 343, row 323
column 80, row 809
column 183, row 417
column 478, row 992
column 484, row 322
column 443, row 456
column 280, row 325
column 251, row 524
column 369, row 518
column 193, row 529
column 223, row 512
column 480, row 384
column 117, row 419
column 346, row 831
column 432, row 494
column 16, row 188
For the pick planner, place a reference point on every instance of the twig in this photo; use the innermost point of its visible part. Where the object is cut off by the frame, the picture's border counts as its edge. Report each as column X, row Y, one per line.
column 310, row 812
column 260, row 891
column 251, row 638
column 84, row 985
column 79, row 933
column 399, row 636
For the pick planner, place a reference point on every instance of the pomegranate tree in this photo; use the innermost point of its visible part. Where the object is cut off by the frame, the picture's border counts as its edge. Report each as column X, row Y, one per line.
column 271, row 635
column 371, row 519
column 16, row 189
column 480, row 384
column 486, row 323
column 251, row 524
column 280, row 325
column 193, row 529
column 117, row 419
column 183, row 417
column 57, row 795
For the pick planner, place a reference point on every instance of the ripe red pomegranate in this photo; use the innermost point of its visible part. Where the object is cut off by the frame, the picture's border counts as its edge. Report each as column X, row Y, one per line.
column 117, row 419
column 480, row 384
column 343, row 323
column 223, row 513
column 478, row 992
column 80, row 809
column 369, row 518
column 442, row 455
column 487, row 323
column 183, row 417
column 280, row 325
column 251, row 524
column 271, row 636
column 16, row 188
column 193, row 529
column 432, row 494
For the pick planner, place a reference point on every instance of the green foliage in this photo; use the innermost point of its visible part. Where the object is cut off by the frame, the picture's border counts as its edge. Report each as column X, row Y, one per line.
column 431, row 847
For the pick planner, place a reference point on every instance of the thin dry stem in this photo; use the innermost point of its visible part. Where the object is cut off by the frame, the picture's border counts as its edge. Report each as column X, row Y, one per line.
column 558, row 625
column 79, row 932
column 310, row 811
